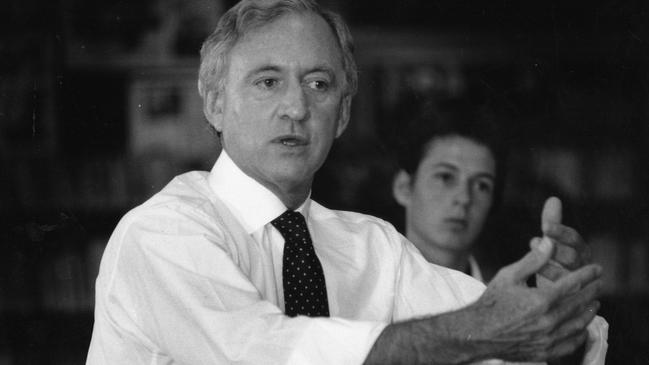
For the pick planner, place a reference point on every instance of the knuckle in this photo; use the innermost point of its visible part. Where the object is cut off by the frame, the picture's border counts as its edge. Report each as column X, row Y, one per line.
column 547, row 322
column 568, row 256
column 583, row 323
column 572, row 236
column 542, row 302
column 577, row 326
column 572, row 256
column 547, row 347
column 506, row 272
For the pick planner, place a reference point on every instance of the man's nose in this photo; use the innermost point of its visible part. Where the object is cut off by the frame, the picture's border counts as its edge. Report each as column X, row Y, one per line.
column 295, row 103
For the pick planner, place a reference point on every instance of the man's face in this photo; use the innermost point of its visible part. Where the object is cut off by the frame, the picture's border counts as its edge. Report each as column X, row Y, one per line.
column 451, row 194
column 282, row 105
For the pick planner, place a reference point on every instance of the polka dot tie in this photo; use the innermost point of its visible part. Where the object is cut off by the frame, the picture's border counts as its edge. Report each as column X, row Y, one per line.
column 305, row 292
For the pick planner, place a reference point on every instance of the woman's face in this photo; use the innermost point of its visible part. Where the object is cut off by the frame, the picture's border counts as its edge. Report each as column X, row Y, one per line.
column 449, row 197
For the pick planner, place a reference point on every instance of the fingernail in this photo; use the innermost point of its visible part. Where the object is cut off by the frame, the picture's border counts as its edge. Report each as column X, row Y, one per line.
column 546, row 245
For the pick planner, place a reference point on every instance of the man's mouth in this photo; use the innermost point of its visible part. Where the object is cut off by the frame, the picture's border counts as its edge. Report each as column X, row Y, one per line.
column 291, row 141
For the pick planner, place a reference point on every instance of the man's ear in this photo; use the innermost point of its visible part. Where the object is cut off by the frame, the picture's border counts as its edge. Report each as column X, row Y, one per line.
column 213, row 109
column 402, row 188
column 345, row 113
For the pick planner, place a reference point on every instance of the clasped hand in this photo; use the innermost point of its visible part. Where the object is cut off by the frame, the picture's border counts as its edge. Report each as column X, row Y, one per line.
column 547, row 321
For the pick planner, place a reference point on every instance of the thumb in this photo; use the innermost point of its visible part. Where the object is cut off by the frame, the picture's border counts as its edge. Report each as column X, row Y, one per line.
column 551, row 213
column 534, row 260
column 535, row 242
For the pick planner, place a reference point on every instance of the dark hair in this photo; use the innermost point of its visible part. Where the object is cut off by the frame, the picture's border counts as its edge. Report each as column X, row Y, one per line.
column 418, row 120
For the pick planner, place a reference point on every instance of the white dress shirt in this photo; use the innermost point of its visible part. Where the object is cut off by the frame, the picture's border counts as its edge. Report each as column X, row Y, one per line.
column 193, row 276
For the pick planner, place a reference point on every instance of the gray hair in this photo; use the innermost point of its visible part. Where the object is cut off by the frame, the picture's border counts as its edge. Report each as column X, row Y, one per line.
column 250, row 14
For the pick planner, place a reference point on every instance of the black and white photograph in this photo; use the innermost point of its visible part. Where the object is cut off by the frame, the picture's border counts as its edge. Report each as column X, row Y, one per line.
column 324, row 182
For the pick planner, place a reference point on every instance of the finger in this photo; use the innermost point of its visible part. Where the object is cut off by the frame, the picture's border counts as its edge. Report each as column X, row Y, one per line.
column 574, row 281
column 572, row 315
column 579, row 321
column 533, row 261
column 549, row 271
column 535, row 242
column 553, row 271
column 551, row 212
column 572, row 327
column 563, row 233
column 571, row 251
column 567, row 256
column 581, row 302
column 567, row 346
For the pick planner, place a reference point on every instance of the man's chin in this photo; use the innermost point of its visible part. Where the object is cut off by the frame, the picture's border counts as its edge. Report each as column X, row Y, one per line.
column 292, row 176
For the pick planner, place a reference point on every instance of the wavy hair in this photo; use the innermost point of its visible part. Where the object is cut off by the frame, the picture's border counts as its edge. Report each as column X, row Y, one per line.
column 248, row 15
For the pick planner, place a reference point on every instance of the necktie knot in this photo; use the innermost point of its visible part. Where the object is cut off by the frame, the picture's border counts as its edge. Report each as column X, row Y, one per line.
column 305, row 290
column 290, row 223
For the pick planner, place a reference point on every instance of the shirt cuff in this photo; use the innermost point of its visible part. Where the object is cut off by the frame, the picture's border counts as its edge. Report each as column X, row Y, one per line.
column 336, row 341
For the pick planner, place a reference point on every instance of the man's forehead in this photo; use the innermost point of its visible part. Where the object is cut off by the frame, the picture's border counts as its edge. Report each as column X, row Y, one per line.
column 289, row 22
column 295, row 37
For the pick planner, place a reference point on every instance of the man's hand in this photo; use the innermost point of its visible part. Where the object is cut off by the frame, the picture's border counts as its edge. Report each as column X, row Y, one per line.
column 571, row 251
column 538, row 323
column 510, row 321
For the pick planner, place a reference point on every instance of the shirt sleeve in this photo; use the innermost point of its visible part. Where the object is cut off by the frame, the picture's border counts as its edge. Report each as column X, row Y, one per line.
column 597, row 342
column 173, row 295
column 423, row 288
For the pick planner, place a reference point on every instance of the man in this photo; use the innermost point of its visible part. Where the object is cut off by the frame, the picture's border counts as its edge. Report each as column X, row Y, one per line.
column 450, row 176
column 203, row 272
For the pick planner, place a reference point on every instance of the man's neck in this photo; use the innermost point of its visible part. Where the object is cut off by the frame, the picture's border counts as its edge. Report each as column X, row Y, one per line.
column 292, row 197
column 293, row 201
column 292, row 193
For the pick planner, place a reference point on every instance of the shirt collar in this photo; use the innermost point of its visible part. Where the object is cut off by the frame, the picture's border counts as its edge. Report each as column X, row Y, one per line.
column 475, row 269
column 252, row 204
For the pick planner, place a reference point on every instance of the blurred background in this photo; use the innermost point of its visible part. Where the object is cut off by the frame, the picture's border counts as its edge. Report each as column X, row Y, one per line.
column 99, row 110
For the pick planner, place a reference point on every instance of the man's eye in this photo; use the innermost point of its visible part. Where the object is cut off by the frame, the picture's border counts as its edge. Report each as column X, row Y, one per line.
column 320, row 85
column 267, row 83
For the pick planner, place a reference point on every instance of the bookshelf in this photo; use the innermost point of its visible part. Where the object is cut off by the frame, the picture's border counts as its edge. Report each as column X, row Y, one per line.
column 62, row 206
column 98, row 111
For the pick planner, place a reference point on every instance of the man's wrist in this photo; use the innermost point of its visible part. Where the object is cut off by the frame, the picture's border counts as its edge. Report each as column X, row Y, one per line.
column 449, row 338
